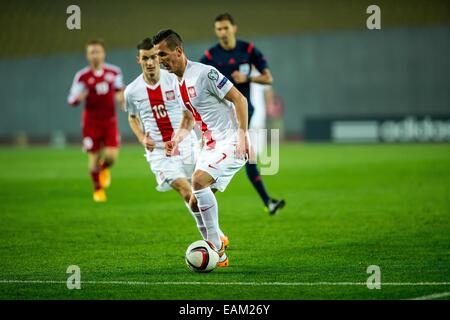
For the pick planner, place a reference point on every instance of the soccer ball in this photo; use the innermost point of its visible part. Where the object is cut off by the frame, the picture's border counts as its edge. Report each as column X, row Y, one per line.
column 201, row 257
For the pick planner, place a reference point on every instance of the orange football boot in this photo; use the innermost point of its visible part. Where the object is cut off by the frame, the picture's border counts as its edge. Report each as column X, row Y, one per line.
column 99, row 195
column 223, row 259
column 225, row 241
column 105, row 178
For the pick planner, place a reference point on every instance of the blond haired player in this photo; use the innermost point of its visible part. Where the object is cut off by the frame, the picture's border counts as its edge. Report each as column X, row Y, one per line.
column 98, row 85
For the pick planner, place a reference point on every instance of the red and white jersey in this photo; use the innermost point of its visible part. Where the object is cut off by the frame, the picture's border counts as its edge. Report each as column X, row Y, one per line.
column 100, row 86
column 203, row 89
column 158, row 106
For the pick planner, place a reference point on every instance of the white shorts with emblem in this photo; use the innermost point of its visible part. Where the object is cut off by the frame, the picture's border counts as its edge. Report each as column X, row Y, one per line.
column 220, row 163
column 168, row 169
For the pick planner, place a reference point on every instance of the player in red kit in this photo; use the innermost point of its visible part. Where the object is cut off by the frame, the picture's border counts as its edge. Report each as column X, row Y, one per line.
column 98, row 85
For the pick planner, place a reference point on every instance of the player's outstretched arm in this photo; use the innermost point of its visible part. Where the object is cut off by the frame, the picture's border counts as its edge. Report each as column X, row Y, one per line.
column 241, row 105
column 143, row 138
column 186, row 125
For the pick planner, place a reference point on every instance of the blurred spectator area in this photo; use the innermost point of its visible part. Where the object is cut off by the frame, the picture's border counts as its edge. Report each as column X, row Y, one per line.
column 39, row 27
column 324, row 60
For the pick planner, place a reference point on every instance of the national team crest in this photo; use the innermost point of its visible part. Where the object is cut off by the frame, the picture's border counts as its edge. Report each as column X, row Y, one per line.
column 170, row 95
column 192, row 92
column 213, row 75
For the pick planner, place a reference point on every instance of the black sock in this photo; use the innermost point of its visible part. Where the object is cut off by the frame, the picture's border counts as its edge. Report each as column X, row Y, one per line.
column 106, row 164
column 255, row 178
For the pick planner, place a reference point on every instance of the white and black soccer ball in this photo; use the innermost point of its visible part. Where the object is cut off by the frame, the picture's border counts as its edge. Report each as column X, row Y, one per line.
column 201, row 257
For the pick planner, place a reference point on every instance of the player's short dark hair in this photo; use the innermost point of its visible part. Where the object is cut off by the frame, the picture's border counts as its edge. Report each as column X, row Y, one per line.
column 225, row 17
column 96, row 41
column 172, row 38
column 145, row 44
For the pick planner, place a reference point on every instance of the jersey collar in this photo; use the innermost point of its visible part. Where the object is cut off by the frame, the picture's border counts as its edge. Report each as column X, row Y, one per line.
column 188, row 65
column 98, row 73
column 153, row 87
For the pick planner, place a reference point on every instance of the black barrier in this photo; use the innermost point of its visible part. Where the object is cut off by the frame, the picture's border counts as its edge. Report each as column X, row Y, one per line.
column 173, row 309
column 408, row 128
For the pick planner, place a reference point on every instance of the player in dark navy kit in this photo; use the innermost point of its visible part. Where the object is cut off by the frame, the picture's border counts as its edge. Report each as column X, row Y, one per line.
column 234, row 59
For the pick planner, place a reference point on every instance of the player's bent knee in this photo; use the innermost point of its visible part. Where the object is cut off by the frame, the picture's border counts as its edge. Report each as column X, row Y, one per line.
column 110, row 160
column 197, row 185
column 111, row 154
column 201, row 180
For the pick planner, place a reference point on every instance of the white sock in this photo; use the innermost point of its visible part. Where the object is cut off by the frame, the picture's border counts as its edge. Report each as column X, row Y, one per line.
column 198, row 218
column 207, row 204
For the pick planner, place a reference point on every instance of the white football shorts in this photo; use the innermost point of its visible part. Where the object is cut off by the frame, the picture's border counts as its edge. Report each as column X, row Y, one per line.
column 168, row 169
column 221, row 163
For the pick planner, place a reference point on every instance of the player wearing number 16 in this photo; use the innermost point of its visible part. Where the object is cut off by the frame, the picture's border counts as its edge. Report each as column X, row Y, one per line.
column 154, row 112
column 98, row 85
column 153, row 103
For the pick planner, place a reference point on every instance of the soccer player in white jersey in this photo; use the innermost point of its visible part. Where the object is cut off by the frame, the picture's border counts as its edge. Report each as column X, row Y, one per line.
column 154, row 113
column 221, row 112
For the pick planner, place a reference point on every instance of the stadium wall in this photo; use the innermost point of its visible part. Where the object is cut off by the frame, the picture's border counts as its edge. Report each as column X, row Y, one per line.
column 392, row 72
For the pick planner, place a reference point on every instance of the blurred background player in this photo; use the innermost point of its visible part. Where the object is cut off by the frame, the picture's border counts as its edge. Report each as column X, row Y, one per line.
column 154, row 109
column 235, row 58
column 98, row 85
column 258, row 121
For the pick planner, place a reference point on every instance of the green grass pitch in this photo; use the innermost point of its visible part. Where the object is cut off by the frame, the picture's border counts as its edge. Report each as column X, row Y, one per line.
column 348, row 207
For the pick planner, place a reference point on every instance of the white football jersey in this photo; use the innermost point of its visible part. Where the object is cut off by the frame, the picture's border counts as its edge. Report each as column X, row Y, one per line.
column 202, row 90
column 158, row 106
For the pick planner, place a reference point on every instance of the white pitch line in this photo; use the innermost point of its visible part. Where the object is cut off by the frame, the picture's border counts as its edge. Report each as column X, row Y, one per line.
column 182, row 283
column 433, row 296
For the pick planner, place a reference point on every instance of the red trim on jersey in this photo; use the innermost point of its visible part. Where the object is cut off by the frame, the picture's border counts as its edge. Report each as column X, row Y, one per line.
column 210, row 142
column 160, row 113
column 208, row 55
column 250, row 48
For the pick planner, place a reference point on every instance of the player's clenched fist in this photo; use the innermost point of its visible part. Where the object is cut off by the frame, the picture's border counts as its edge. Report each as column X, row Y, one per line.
column 169, row 147
column 82, row 96
column 239, row 77
column 148, row 143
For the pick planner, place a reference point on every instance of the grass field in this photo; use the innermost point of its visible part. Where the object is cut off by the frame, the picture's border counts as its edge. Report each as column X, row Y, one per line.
column 348, row 207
